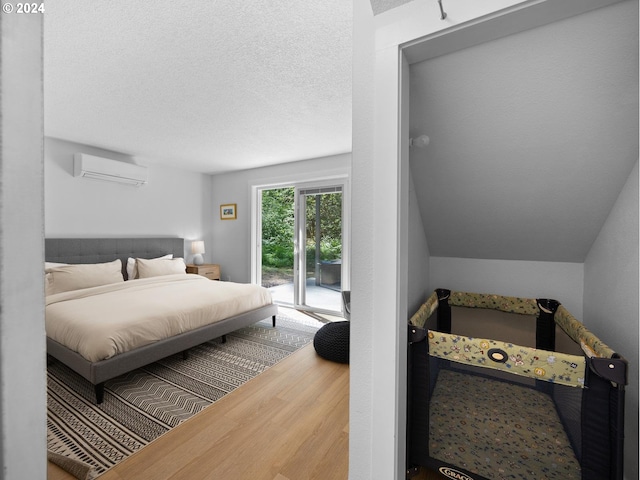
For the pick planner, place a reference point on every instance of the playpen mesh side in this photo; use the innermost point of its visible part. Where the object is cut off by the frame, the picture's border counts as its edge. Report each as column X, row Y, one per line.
column 600, row 436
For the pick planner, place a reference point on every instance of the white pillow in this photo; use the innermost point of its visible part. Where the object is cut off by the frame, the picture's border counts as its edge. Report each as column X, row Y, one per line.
column 160, row 266
column 64, row 278
column 48, row 278
column 49, row 265
column 132, row 268
column 48, row 283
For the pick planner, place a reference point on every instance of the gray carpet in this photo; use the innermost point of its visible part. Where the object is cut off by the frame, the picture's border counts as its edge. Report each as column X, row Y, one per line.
column 140, row 406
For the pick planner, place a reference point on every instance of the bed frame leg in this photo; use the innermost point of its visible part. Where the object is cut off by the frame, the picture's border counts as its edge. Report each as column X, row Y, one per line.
column 273, row 320
column 185, row 354
column 224, row 339
column 99, row 388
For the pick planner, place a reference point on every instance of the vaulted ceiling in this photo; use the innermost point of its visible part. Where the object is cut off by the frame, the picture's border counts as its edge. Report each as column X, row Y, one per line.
column 532, row 138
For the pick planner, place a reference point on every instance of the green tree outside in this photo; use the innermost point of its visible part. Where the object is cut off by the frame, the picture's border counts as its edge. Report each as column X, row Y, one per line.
column 278, row 232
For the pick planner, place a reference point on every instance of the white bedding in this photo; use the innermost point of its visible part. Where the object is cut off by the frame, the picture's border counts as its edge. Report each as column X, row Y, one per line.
column 100, row 322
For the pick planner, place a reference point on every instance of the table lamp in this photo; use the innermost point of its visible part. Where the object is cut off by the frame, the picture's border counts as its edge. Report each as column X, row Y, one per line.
column 197, row 248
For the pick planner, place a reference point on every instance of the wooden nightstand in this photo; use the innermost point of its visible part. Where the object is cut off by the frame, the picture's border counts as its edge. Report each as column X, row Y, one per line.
column 209, row 270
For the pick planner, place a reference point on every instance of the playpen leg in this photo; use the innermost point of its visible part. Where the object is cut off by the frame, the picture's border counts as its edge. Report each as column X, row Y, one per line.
column 444, row 311
column 412, row 472
column 417, row 400
column 545, row 324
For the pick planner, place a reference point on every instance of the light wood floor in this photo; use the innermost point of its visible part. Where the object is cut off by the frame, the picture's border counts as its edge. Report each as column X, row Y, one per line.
column 289, row 423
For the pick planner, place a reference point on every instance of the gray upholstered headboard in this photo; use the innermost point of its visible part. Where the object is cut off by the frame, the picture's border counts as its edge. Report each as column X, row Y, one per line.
column 99, row 250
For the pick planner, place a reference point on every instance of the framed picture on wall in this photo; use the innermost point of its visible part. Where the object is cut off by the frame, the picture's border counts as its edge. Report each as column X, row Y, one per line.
column 228, row 211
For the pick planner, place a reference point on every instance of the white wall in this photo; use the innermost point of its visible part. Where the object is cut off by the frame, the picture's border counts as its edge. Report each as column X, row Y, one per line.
column 611, row 299
column 231, row 239
column 174, row 203
column 516, row 278
column 362, row 259
column 22, row 337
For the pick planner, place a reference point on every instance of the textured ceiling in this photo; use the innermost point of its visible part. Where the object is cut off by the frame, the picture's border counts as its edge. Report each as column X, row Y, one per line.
column 532, row 138
column 207, row 86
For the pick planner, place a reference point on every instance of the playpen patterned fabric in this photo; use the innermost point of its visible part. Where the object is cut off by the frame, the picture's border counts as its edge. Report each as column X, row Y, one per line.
column 523, row 306
column 591, row 345
column 424, row 312
column 544, row 365
column 498, row 430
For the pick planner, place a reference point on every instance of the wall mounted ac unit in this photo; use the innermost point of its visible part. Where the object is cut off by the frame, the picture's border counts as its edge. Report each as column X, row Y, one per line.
column 99, row 168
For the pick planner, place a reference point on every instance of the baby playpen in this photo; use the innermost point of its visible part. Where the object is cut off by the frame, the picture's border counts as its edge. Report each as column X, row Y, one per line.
column 511, row 388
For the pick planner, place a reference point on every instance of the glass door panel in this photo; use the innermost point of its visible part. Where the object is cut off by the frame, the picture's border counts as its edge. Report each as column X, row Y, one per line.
column 319, row 272
column 277, row 243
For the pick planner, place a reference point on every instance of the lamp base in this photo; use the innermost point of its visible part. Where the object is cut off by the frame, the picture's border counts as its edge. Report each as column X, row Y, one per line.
column 197, row 259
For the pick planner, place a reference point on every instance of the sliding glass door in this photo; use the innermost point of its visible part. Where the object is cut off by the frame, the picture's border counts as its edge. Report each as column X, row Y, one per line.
column 300, row 245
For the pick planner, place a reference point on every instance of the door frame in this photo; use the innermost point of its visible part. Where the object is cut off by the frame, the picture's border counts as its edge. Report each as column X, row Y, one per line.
column 300, row 182
column 386, row 46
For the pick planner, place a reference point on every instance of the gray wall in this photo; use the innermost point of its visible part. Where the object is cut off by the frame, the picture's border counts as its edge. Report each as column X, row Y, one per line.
column 230, row 239
column 22, row 345
column 516, row 167
column 418, row 255
column 174, row 202
column 518, row 278
column 611, row 299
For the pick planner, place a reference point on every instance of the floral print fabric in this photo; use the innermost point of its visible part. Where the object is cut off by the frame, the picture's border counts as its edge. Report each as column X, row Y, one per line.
column 524, row 306
column 591, row 345
column 544, row 365
column 498, row 430
column 425, row 311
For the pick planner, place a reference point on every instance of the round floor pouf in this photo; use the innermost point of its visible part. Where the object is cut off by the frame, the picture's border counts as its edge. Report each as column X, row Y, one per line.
column 332, row 342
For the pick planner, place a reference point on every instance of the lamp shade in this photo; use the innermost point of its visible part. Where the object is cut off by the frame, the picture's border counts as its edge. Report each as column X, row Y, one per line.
column 197, row 247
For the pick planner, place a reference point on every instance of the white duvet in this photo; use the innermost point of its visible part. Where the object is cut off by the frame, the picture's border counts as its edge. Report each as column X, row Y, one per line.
column 104, row 321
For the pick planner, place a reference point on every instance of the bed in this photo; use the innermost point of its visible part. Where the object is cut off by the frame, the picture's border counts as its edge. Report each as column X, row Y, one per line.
column 171, row 308
column 506, row 387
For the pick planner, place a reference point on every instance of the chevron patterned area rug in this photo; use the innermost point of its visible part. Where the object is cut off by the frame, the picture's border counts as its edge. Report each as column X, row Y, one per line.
column 140, row 406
